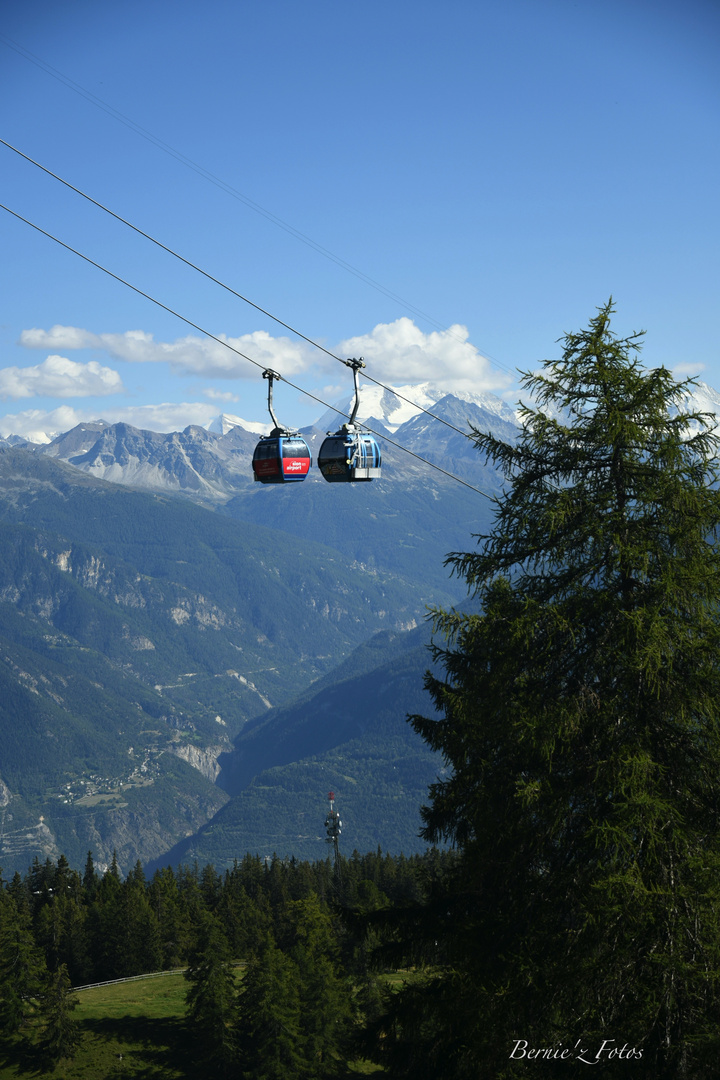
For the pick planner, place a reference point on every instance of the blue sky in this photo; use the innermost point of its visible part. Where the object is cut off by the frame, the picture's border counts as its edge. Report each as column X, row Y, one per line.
column 501, row 168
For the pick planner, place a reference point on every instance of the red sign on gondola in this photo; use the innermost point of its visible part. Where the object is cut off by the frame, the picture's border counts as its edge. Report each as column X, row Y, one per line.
column 331, row 794
column 299, row 465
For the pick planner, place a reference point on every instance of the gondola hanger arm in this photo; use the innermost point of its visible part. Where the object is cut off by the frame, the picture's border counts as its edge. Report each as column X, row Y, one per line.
column 269, row 374
column 355, row 364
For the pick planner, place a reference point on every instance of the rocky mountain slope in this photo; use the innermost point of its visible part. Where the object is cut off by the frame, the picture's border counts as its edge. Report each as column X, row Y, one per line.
column 138, row 634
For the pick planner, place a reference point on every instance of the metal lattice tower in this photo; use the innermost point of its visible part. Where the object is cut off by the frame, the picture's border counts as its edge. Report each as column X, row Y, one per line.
column 333, row 828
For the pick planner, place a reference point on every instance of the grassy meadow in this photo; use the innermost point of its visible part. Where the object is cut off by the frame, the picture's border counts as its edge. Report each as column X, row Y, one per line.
column 129, row 1029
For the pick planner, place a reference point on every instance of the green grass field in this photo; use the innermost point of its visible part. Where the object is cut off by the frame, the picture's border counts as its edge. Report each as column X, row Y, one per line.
column 132, row 1029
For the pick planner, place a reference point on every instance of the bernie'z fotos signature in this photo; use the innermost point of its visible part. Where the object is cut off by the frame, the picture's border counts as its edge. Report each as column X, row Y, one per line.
column 608, row 1051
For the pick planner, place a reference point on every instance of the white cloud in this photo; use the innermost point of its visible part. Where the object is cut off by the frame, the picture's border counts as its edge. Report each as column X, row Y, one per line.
column 59, row 377
column 400, row 353
column 168, row 416
column 189, row 355
column 397, row 353
column 37, row 424
column 681, row 370
column 219, row 395
column 60, row 337
column 335, row 390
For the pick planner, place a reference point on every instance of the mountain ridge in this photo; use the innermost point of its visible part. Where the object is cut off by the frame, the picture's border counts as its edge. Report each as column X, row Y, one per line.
column 391, row 405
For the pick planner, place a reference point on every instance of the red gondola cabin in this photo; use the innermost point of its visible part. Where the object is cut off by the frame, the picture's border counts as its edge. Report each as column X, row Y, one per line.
column 281, row 459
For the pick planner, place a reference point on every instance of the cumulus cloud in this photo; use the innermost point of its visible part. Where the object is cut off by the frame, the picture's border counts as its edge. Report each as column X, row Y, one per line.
column 219, row 395
column 60, row 337
column 400, row 353
column 190, row 355
column 39, row 426
column 168, row 416
column 59, row 377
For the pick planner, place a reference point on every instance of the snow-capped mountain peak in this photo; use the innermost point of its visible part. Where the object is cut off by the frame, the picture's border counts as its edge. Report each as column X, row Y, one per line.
column 396, row 405
column 224, row 423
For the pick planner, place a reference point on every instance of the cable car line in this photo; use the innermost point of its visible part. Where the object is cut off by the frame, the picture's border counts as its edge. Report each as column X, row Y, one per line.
column 227, row 345
column 211, row 177
column 169, row 250
column 227, row 288
column 227, row 188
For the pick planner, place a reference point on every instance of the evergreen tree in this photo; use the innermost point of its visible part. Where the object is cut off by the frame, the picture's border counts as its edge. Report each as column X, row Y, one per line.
column 61, row 1034
column 142, row 945
column 90, row 880
column 64, row 879
column 579, row 720
column 50, row 930
column 210, row 886
column 324, row 992
column 164, row 899
column 136, row 877
column 22, row 967
column 40, row 879
column 210, row 996
column 245, row 921
column 190, row 899
column 19, row 892
column 106, row 927
column 268, row 1032
column 76, row 952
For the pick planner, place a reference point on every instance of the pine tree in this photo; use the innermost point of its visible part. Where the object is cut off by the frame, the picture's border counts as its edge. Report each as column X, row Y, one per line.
column 210, row 996
column 106, row 927
column 61, row 1035
column 90, row 880
column 324, row 992
column 173, row 924
column 142, row 944
column 579, row 720
column 22, row 967
column 268, row 1031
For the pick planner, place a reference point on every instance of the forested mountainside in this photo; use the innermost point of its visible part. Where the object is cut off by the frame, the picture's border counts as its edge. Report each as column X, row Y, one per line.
column 348, row 734
column 138, row 634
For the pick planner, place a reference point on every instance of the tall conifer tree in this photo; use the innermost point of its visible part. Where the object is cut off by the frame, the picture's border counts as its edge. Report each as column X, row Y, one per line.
column 22, row 966
column 579, row 719
column 271, row 1045
column 325, row 994
column 61, row 1035
column 210, row 996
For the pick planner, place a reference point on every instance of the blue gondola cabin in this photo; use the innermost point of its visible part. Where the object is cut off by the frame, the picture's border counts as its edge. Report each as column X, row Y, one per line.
column 349, row 456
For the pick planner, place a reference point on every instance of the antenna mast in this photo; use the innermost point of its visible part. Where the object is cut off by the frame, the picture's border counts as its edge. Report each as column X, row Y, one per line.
column 333, row 828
